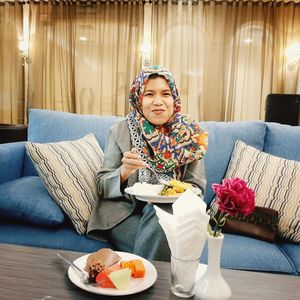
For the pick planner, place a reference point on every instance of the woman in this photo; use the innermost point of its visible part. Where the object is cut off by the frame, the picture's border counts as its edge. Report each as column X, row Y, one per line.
column 154, row 133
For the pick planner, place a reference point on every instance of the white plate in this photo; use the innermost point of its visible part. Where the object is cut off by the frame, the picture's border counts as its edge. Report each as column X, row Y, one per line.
column 136, row 284
column 152, row 194
column 152, row 197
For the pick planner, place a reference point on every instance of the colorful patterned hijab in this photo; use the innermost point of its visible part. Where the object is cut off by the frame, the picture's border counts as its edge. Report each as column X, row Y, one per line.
column 170, row 146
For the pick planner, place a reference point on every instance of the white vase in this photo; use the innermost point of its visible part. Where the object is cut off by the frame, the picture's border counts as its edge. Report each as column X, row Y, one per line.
column 212, row 286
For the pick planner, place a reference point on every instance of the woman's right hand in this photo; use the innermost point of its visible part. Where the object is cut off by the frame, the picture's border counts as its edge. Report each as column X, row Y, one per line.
column 131, row 162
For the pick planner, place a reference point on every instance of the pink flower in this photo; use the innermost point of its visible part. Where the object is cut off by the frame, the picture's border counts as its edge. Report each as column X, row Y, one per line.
column 233, row 197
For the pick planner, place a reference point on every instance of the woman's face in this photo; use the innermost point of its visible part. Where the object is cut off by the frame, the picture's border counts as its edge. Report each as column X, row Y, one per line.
column 158, row 102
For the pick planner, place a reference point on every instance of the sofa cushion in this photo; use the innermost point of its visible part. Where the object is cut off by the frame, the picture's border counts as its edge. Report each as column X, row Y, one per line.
column 11, row 161
column 26, row 199
column 221, row 139
column 283, row 141
column 246, row 253
column 63, row 237
column 292, row 252
column 275, row 181
column 46, row 126
column 68, row 170
column 261, row 224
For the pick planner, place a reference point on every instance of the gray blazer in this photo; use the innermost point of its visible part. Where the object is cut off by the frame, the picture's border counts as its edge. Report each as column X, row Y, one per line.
column 114, row 205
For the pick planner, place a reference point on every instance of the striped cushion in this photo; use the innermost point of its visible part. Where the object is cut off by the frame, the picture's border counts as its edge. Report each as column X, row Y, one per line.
column 68, row 170
column 276, row 184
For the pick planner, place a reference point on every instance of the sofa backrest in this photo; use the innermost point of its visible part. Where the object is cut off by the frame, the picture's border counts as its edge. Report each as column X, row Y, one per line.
column 221, row 139
column 47, row 126
column 283, row 141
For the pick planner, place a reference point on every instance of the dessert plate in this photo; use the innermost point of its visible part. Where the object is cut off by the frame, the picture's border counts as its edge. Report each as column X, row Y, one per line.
column 150, row 193
column 136, row 284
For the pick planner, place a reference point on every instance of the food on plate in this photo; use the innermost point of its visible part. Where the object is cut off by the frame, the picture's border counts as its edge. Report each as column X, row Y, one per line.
column 95, row 269
column 145, row 189
column 97, row 261
column 176, row 187
column 136, row 266
column 103, row 277
column 106, row 268
column 121, row 278
column 105, row 255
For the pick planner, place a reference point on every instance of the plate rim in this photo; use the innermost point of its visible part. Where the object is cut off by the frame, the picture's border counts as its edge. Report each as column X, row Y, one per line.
column 109, row 291
column 153, row 198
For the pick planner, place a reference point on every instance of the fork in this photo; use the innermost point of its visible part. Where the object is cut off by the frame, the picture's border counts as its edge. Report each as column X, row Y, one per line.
column 162, row 181
column 84, row 278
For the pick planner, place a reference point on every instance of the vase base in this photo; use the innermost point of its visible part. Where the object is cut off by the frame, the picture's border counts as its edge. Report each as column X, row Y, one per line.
column 211, row 285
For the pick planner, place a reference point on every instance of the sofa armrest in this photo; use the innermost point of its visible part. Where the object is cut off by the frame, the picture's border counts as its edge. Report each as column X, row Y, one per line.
column 11, row 161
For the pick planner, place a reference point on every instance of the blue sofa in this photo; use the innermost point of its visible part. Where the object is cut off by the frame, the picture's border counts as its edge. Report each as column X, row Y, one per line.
column 29, row 216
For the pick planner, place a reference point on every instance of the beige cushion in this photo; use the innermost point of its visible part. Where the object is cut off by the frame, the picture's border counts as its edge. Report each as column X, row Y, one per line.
column 68, row 170
column 276, row 184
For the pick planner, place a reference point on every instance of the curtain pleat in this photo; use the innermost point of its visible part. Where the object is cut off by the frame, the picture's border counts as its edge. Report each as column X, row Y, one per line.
column 84, row 58
column 228, row 57
column 11, row 76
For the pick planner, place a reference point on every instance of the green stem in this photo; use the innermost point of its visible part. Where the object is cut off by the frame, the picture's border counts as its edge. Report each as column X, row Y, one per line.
column 220, row 222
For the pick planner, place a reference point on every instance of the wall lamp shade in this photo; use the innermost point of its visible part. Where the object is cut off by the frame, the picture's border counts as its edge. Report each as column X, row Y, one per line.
column 24, row 47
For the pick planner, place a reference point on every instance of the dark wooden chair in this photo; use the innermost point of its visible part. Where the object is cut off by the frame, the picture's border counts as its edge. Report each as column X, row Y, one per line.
column 12, row 133
column 283, row 108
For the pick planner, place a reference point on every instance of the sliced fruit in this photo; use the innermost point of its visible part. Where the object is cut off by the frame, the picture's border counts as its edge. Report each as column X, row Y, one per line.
column 128, row 264
column 136, row 266
column 121, row 278
column 104, row 280
column 103, row 277
column 139, row 268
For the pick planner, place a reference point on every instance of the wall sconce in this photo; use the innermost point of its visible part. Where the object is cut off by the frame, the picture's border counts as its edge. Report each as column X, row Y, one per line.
column 292, row 53
column 146, row 53
column 23, row 46
column 248, row 41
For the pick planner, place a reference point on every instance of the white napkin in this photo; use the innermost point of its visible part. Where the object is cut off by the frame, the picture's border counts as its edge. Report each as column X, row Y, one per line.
column 185, row 230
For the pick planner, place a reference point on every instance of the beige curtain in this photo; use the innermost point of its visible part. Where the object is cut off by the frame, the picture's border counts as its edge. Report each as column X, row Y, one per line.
column 227, row 55
column 11, row 76
column 83, row 58
column 178, row 44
